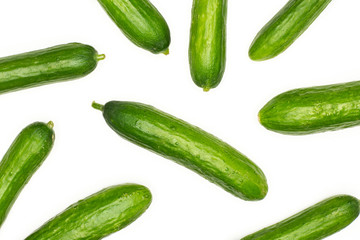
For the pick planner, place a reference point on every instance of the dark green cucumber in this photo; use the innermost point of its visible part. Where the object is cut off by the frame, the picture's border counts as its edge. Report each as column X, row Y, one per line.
column 187, row 145
column 141, row 23
column 98, row 215
column 314, row 223
column 207, row 47
column 285, row 27
column 23, row 158
column 314, row 109
column 59, row 63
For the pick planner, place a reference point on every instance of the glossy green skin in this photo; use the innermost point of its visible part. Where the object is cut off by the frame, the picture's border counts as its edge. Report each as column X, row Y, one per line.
column 207, row 49
column 23, row 158
column 141, row 23
column 59, row 63
column 314, row 109
column 314, row 223
column 98, row 215
column 187, row 145
column 285, row 27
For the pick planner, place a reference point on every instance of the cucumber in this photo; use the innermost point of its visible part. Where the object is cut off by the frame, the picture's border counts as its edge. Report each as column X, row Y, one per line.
column 98, row 215
column 141, row 23
column 59, row 63
column 285, row 27
column 314, row 223
column 207, row 47
column 187, row 145
column 313, row 109
column 23, row 158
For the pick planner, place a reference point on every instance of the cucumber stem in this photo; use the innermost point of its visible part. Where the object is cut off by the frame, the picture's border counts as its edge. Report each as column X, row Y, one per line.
column 97, row 106
column 206, row 89
column 100, row 57
column 166, row 52
column 50, row 124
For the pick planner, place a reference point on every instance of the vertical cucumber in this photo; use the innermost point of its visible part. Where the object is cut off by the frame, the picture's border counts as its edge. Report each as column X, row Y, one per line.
column 285, row 27
column 98, row 215
column 314, row 223
column 187, row 145
column 314, row 109
column 207, row 47
column 141, row 23
column 23, row 158
column 59, row 63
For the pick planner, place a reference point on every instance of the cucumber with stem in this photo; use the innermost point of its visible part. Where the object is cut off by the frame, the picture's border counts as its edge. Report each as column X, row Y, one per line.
column 50, row 65
column 187, row 145
column 25, row 155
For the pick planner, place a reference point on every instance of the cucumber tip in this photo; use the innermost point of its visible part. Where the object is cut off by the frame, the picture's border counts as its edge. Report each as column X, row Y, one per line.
column 166, row 52
column 50, row 124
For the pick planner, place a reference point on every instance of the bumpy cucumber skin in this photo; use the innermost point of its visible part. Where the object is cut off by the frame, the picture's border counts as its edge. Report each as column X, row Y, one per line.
column 23, row 158
column 207, row 49
column 314, row 223
column 59, row 63
column 98, row 215
column 285, row 27
column 187, row 145
column 141, row 23
column 313, row 109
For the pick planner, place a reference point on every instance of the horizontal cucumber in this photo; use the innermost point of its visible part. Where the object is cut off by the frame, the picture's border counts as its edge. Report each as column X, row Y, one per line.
column 59, row 63
column 141, row 23
column 98, row 215
column 314, row 223
column 187, row 145
column 23, row 158
column 313, row 109
column 285, row 27
column 207, row 47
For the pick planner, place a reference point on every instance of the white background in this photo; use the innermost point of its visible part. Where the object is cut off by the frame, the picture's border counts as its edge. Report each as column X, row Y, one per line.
column 88, row 156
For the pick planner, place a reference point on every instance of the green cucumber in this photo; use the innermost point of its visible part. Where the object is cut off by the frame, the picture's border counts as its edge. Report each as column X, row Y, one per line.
column 187, row 145
column 207, row 47
column 23, row 158
column 141, row 23
column 59, row 63
column 98, row 215
column 314, row 223
column 285, row 27
column 313, row 109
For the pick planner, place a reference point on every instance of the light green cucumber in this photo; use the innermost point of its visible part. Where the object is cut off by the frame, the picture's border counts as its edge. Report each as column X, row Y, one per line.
column 314, row 109
column 98, row 215
column 23, row 158
column 141, row 23
column 285, row 27
column 187, row 145
column 314, row 223
column 207, row 49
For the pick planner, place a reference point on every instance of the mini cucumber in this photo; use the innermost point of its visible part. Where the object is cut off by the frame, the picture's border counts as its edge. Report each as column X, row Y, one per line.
column 187, row 145
column 141, row 23
column 285, row 27
column 207, row 47
column 314, row 223
column 59, row 63
column 23, row 158
column 98, row 215
column 313, row 109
